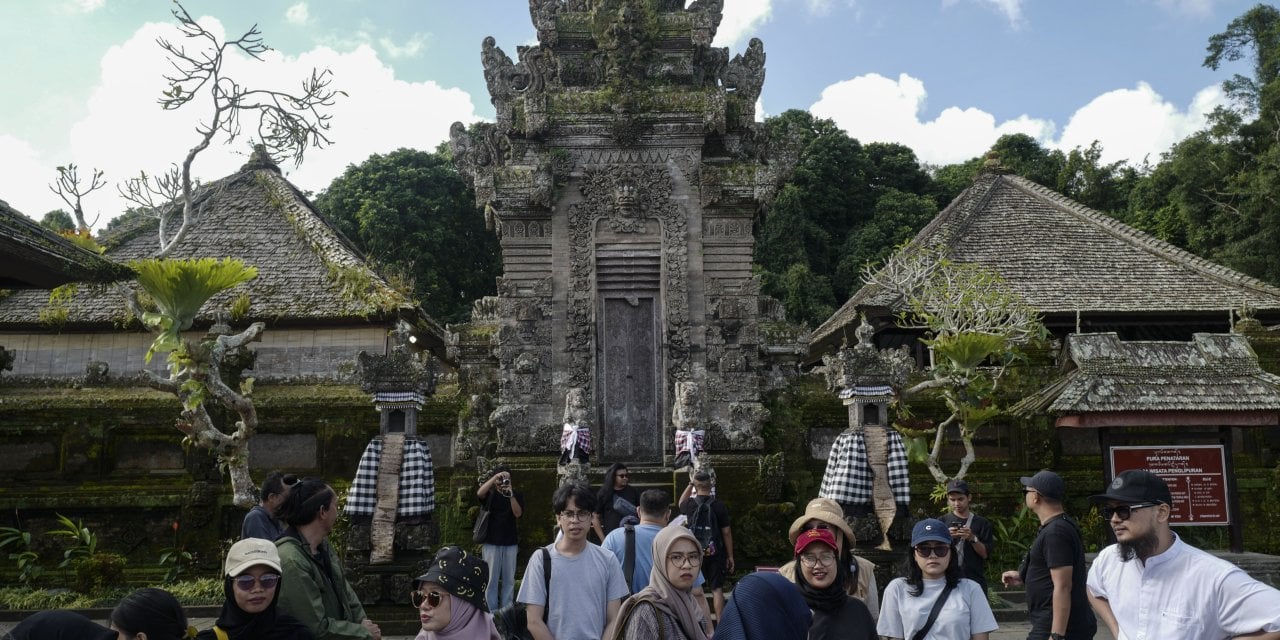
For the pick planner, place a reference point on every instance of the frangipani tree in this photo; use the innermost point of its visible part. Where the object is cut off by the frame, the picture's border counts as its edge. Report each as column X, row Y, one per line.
column 975, row 323
column 179, row 289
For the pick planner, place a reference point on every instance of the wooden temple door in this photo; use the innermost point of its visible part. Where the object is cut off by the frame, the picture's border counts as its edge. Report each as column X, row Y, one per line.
column 629, row 360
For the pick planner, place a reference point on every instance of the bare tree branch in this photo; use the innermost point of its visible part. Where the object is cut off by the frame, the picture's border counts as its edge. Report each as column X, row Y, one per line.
column 68, row 188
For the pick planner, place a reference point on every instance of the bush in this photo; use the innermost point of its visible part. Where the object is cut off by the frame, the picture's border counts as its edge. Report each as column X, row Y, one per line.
column 206, row 591
column 98, row 572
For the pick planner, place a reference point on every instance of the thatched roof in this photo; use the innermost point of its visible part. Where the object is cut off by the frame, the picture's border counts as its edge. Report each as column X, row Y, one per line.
column 35, row 257
column 1064, row 258
column 1214, row 372
column 307, row 271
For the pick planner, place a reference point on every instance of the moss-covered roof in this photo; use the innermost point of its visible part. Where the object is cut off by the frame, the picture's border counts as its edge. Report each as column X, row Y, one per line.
column 1215, row 372
column 307, row 271
column 37, row 258
column 1062, row 258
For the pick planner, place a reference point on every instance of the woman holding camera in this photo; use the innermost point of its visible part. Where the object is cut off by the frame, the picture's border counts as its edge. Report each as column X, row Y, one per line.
column 505, row 505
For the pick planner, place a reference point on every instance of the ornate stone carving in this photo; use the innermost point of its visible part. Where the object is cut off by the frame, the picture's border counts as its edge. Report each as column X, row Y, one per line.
column 744, row 75
column 687, row 414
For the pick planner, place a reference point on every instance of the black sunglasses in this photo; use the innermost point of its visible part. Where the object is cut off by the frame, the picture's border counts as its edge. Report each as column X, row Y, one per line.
column 940, row 551
column 1125, row 510
column 433, row 598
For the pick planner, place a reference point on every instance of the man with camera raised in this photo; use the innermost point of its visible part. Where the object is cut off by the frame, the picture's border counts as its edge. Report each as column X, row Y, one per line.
column 505, row 505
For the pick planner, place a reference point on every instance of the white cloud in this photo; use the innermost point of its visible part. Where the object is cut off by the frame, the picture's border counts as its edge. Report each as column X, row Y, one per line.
column 1012, row 9
column 1130, row 124
column 741, row 19
column 412, row 47
column 126, row 131
column 1199, row 8
column 873, row 108
column 85, row 6
column 298, row 14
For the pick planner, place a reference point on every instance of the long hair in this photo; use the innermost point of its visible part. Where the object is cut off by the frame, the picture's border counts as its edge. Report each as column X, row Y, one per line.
column 604, row 498
column 154, row 612
column 304, row 501
column 915, row 577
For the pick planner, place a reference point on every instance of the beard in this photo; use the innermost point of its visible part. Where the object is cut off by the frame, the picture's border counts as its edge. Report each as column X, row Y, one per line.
column 1140, row 548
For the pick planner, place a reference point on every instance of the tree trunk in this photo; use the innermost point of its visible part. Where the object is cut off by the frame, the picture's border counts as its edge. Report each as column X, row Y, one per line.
column 242, row 487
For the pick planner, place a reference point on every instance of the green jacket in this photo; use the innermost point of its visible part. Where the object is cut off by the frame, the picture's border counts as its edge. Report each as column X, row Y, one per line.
column 330, row 608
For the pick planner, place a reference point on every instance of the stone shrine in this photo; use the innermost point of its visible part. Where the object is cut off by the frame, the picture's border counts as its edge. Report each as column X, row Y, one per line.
column 623, row 177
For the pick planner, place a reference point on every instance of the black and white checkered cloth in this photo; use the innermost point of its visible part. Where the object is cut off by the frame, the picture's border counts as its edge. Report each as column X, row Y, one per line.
column 417, row 481
column 849, row 477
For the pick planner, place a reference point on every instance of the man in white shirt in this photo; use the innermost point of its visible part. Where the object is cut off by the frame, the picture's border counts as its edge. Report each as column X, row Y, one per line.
column 1151, row 585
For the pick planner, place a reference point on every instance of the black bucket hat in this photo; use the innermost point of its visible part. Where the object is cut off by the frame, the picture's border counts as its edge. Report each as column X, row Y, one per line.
column 461, row 573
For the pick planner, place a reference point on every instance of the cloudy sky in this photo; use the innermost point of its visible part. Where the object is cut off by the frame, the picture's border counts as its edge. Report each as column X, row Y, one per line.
column 945, row 77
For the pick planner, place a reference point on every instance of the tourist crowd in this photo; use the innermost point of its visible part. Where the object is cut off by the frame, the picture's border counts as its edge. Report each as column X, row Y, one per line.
column 646, row 578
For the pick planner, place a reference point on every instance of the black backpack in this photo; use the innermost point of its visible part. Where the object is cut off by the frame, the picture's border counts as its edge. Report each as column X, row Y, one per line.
column 703, row 524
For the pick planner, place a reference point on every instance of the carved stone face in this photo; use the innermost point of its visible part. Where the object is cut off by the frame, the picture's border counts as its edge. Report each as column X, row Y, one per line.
column 625, row 197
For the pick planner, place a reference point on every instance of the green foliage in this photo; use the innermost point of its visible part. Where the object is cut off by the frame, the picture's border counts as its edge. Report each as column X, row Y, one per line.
column 18, row 543
column 240, row 307
column 58, row 221
column 202, row 592
column 1014, row 535
column 84, row 543
column 1254, row 34
column 411, row 210
column 55, row 314
column 98, row 571
column 180, row 288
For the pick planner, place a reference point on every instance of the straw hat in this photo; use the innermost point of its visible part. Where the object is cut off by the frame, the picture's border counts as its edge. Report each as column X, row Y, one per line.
column 825, row 510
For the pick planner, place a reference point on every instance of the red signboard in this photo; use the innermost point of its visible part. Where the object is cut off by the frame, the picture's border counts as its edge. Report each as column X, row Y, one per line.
column 1196, row 475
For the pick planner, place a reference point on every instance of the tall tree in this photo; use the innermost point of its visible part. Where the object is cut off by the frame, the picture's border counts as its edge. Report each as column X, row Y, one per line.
column 411, row 211
column 1254, row 34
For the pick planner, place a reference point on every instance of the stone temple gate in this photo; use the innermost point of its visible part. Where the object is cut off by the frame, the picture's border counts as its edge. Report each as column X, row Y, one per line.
column 623, row 176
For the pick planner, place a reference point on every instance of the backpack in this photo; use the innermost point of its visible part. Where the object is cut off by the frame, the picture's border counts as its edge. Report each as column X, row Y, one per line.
column 703, row 525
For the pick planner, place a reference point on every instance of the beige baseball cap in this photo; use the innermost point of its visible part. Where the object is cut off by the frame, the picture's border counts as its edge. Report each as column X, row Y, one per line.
column 251, row 551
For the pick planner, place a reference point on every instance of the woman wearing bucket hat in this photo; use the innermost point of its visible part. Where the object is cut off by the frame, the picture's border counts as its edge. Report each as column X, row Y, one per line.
column 666, row 608
column 251, row 584
column 450, row 598
column 934, row 601
column 836, row 614
column 859, row 573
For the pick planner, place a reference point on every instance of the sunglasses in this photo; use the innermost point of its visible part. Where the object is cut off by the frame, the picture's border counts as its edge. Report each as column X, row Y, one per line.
column 939, row 551
column 432, row 598
column 821, row 525
column 1124, row 511
column 267, row 580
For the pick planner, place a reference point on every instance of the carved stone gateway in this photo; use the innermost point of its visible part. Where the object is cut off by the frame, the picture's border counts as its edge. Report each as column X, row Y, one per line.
column 623, row 176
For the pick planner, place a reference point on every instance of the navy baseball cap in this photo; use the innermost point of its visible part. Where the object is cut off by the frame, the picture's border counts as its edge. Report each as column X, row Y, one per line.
column 1048, row 484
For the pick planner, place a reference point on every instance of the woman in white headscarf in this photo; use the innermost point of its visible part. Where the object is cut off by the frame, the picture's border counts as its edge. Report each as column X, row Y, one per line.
column 666, row 608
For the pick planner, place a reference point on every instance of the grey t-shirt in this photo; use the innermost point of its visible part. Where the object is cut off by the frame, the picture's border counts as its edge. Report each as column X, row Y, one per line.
column 581, row 588
column 965, row 613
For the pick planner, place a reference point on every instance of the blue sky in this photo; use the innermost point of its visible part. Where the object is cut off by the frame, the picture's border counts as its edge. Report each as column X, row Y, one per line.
column 945, row 77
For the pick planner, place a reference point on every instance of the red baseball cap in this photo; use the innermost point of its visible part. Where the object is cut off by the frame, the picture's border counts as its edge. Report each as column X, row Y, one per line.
column 812, row 536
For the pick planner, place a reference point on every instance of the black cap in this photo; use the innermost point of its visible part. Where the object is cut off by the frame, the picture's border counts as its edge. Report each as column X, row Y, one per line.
column 1134, row 486
column 1048, row 484
column 958, row 486
column 461, row 573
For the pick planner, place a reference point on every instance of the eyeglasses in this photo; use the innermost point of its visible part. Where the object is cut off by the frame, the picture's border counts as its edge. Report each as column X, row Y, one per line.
column 576, row 515
column 681, row 559
column 1125, row 510
column 938, row 551
column 267, row 580
column 813, row 560
column 432, row 598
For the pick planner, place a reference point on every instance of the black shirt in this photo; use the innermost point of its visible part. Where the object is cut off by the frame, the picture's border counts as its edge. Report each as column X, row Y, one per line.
column 851, row 622
column 975, row 566
column 610, row 519
column 1057, row 545
column 502, row 522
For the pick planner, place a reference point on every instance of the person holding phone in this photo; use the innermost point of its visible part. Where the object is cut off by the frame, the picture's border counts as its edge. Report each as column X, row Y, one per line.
column 973, row 534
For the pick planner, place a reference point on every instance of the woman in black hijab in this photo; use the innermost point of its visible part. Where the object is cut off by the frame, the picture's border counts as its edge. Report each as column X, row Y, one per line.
column 252, row 587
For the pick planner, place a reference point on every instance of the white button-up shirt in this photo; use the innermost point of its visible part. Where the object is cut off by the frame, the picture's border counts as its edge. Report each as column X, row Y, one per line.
column 1182, row 593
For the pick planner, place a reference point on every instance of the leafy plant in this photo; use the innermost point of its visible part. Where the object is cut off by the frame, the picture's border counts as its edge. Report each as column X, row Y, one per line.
column 84, row 541
column 28, row 561
column 1014, row 536
column 176, row 558
column 99, row 571
column 180, row 288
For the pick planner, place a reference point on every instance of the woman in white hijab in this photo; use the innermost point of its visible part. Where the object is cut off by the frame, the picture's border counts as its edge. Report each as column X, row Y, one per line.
column 666, row 608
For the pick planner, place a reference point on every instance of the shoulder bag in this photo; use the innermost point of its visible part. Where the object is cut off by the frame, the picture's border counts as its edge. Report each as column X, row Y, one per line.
column 933, row 613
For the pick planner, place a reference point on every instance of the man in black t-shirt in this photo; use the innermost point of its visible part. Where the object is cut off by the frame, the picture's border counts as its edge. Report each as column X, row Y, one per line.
column 505, row 505
column 1053, row 569
column 971, row 533
column 717, row 566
